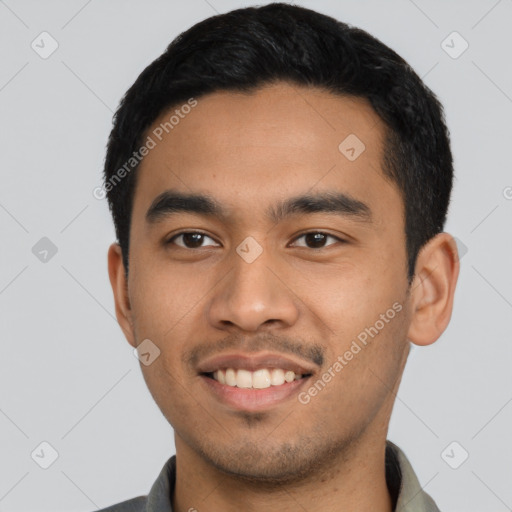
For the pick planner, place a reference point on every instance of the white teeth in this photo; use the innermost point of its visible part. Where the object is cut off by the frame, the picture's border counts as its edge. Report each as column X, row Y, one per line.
column 243, row 379
column 220, row 376
column 277, row 377
column 259, row 379
column 230, row 377
column 289, row 376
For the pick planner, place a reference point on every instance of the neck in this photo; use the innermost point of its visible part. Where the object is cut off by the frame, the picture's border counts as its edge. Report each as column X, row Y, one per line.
column 353, row 480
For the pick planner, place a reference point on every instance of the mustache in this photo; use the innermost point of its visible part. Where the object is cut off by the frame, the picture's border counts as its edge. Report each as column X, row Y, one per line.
column 312, row 352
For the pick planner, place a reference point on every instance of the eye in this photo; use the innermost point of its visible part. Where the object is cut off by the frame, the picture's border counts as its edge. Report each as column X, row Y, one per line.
column 317, row 239
column 189, row 239
column 195, row 240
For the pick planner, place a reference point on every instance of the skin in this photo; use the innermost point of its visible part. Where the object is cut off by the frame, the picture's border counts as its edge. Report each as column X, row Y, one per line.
column 249, row 151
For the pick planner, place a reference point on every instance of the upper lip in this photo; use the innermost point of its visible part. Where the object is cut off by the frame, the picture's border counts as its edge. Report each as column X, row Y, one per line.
column 253, row 362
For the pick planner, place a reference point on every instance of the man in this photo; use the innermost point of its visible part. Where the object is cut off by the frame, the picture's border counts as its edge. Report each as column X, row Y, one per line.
column 279, row 183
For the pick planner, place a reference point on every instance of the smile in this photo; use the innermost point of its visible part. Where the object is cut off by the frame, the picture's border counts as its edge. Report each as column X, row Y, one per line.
column 259, row 379
column 254, row 381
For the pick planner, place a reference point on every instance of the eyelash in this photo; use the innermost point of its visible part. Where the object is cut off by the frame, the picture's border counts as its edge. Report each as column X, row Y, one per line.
column 171, row 240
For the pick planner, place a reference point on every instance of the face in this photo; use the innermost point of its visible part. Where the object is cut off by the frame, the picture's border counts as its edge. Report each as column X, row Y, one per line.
column 279, row 300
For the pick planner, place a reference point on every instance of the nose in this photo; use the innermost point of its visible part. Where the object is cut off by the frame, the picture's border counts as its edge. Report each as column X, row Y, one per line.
column 254, row 295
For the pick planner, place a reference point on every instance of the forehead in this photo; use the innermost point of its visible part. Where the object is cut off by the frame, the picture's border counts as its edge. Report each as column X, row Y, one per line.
column 278, row 141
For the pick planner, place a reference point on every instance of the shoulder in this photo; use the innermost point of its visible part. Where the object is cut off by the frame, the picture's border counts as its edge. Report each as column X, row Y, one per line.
column 159, row 497
column 133, row 505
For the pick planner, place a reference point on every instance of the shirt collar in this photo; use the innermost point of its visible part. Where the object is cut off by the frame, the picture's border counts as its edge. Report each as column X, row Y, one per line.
column 401, row 479
column 399, row 473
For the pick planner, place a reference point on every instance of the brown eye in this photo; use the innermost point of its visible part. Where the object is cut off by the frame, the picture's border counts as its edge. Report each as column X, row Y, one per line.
column 190, row 239
column 317, row 239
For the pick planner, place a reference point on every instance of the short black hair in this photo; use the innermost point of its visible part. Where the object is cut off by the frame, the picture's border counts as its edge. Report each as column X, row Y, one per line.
column 245, row 49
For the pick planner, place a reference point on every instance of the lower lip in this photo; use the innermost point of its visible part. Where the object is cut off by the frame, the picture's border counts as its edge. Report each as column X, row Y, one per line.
column 249, row 399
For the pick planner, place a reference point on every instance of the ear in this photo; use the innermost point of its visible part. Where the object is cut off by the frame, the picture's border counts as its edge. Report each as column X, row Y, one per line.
column 119, row 285
column 433, row 289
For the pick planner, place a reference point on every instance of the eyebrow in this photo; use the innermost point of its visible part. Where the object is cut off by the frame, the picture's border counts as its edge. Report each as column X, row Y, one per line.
column 172, row 202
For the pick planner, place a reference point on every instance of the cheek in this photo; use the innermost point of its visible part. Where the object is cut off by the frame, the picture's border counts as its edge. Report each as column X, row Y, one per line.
column 165, row 297
column 169, row 389
column 359, row 386
column 365, row 310
column 348, row 298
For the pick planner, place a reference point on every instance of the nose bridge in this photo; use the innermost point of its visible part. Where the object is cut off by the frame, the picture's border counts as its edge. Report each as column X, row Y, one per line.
column 252, row 293
column 253, row 279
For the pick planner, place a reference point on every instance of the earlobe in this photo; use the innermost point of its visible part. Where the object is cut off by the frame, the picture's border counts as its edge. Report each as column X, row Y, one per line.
column 433, row 289
column 119, row 285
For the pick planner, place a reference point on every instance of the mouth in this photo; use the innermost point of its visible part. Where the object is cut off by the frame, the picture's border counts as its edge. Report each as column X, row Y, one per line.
column 259, row 379
column 246, row 382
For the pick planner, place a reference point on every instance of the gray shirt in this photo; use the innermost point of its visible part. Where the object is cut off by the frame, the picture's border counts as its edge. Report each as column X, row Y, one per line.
column 401, row 480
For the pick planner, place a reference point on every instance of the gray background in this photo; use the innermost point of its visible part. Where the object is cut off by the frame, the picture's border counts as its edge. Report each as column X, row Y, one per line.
column 67, row 375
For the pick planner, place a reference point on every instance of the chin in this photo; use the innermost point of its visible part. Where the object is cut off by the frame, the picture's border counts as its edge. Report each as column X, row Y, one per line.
column 270, row 466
